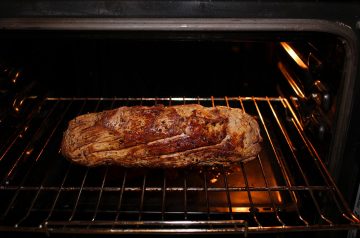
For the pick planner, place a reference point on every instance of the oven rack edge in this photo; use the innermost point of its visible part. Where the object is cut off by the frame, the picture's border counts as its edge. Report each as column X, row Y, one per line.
column 187, row 226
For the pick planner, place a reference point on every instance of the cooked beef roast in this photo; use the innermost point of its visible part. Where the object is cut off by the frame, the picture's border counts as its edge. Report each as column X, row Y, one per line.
column 162, row 137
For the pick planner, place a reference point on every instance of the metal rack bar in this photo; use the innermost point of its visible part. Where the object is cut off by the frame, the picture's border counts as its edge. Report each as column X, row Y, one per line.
column 279, row 161
column 175, row 189
column 228, row 199
column 78, row 196
column 241, row 103
column 269, row 192
column 133, row 213
column 253, row 210
column 170, row 223
column 103, row 181
column 163, row 198
column 130, row 227
column 20, row 132
column 122, row 189
column 227, row 101
column 346, row 212
column 64, row 178
column 241, row 229
column 292, row 148
column 142, row 198
column 141, row 206
column 48, row 172
column 59, row 190
column 202, row 99
column 29, row 144
column 205, row 183
column 206, row 195
column 22, row 129
column 100, row 194
column 83, row 181
column 252, row 207
column 283, row 168
column 121, row 196
column 149, row 223
column 28, row 171
column 185, row 197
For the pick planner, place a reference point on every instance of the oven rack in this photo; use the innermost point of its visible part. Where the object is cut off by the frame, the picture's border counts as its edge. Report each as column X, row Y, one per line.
column 286, row 188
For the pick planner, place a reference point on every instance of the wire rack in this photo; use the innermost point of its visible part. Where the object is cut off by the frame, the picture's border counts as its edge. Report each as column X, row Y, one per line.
column 286, row 188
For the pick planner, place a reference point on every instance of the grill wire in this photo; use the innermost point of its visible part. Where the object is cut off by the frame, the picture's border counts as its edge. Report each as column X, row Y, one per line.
column 286, row 188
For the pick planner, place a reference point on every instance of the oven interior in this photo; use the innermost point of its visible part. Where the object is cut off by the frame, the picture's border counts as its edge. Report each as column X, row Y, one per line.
column 291, row 82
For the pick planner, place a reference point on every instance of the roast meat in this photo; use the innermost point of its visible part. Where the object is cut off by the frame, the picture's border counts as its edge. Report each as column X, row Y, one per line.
column 162, row 137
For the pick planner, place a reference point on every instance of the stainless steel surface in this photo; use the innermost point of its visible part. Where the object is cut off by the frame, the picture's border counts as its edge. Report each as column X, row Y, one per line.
column 286, row 188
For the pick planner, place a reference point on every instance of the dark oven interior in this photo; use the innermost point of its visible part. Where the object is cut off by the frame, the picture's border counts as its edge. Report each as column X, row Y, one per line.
column 291, row 82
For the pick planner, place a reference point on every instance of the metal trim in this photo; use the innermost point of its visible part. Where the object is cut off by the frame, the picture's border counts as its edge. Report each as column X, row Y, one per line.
column 176, row 24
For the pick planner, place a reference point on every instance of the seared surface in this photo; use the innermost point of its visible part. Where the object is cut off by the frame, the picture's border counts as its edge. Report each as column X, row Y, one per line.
column 158, row 136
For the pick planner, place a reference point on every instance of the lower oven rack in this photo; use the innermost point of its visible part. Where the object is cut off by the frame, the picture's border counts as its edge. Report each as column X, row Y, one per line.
column 286, row 188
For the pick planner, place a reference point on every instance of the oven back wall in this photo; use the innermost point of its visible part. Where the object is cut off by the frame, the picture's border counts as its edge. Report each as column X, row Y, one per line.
column 117, row 67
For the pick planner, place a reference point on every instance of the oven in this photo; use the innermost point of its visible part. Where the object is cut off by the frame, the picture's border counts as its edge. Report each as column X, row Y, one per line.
column 293, row 66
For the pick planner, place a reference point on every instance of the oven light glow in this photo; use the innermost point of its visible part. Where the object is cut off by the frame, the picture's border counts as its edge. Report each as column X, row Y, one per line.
column 294, row 55
column 215, row 178
column 240, row 209
column 17, row 105
column 29, row 151
column 15, row 77
column 291, row 81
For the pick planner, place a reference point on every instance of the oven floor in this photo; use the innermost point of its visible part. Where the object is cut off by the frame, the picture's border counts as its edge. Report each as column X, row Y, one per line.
column 285, row 187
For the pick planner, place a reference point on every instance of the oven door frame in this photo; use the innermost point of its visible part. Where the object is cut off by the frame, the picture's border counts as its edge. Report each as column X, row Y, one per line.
column 348, row 92
column 340, row 158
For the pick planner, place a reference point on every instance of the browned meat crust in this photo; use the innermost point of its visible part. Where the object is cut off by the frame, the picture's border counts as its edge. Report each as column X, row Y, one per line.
column 162, row 137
